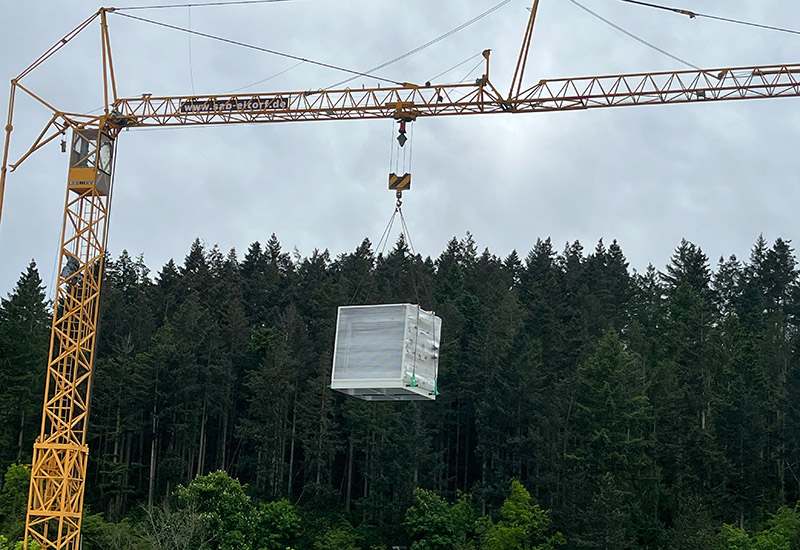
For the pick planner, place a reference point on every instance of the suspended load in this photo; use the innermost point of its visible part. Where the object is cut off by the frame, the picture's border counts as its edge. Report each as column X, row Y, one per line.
column 386, row 352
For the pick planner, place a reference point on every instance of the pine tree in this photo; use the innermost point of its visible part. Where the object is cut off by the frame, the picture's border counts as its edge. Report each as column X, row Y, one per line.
column 24, row 336
column 614, row 473
column 695, row 466
column 769, row 312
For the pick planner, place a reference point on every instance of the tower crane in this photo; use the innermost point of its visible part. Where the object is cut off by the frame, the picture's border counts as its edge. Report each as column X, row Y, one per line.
column 58, row 473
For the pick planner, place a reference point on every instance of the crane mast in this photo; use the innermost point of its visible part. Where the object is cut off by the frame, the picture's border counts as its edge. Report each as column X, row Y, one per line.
column 60, row 453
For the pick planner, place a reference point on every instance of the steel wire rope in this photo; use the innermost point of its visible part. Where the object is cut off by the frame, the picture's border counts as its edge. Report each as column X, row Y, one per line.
column 410, row 149
column 407, row 167
column 416, row 259
column 205, row 4
column 381, row 66
column 99, row 109
column 381, row 245
column 694, row 14
column 258, row 48
column 56, row 258
column 384, row 239
column 392, row 165
column 399, row 210
column 454, row 67
column 266, row 79
column 199, row 5
column 379, row 249
column 427, row 44
column 111, row 188
column 191, row 68
column 470, row 72
column 634, row 37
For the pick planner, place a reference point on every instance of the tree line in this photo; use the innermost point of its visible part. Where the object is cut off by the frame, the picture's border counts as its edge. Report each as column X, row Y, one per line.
column 637, row 410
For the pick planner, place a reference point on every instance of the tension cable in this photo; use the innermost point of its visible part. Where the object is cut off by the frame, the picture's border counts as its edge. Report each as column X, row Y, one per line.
column 694, row 14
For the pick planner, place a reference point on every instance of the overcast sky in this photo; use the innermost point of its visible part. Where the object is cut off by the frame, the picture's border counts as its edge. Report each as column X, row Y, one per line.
column 716, row 174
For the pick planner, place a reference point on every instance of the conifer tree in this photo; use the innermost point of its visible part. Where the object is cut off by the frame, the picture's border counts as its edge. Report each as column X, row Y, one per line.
column 614, row 473
column 24, row 337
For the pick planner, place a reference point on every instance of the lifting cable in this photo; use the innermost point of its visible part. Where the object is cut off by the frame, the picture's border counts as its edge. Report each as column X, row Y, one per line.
column 199, row 5
column 470, row 72
column 456, row 66
column 258, row 48
column 395, row 164
column 356, row 74
column 633, row 36
column 381, row 245
column 383, row 242
column 266, row 79
column 694, row 14
column 414, row 256
column 207, row 4
column 408, row 153
column 380, row 248
column 429, row 43
column 191, row 71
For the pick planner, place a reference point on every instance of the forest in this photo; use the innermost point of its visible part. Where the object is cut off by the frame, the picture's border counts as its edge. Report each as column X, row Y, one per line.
column 582, row 405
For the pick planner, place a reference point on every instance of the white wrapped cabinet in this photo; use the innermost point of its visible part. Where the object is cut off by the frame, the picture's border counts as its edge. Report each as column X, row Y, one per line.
column 386, row 352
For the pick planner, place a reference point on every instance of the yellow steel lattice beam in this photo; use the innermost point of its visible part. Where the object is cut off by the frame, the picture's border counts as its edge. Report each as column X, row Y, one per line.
column 60, row 454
